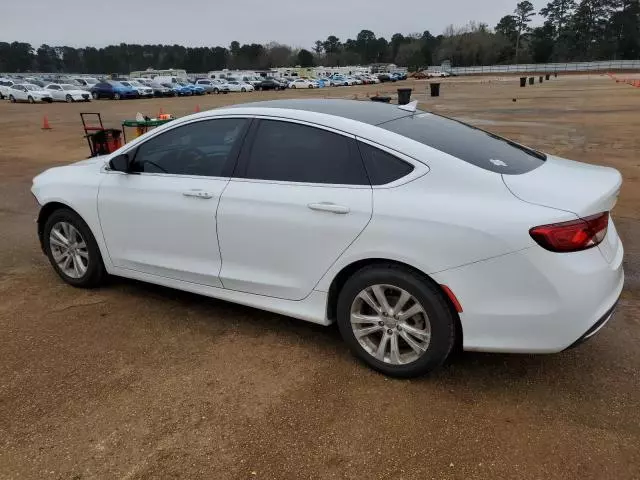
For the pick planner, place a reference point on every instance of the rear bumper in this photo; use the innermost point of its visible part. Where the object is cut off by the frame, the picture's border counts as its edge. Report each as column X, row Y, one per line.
column 596, row 327
column 535, row 301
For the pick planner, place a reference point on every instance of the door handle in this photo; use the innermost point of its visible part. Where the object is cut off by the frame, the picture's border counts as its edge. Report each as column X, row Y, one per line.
column 197, row 194
column 329, row 207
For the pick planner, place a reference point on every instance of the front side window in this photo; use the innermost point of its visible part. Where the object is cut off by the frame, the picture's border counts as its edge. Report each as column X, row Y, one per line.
column 200, row 148
column 291, row 152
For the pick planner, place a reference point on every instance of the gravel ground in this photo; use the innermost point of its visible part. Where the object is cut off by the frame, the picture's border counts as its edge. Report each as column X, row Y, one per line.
column 138, row 381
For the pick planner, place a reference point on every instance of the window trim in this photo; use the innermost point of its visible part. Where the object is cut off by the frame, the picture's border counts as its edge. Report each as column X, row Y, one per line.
column 420, row 169
column 240, row 172
column 229, row 167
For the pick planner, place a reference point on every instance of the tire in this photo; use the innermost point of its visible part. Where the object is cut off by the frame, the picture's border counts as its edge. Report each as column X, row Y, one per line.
column 243, row 89
column 434, row 323
column 91, row 273
column 116, row 96
column 95, row 95
column 12, row 99
column 68, row 99
column 216, row 91
column 30, row 99
column 310, row 86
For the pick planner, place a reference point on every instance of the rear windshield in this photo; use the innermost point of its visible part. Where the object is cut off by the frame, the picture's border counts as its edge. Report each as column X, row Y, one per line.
column 470, row 144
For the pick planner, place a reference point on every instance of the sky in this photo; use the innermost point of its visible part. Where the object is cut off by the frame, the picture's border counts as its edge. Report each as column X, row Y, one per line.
column 298, row 23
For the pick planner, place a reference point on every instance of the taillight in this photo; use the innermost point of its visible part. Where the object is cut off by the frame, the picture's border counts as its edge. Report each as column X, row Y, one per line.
column 572, row 236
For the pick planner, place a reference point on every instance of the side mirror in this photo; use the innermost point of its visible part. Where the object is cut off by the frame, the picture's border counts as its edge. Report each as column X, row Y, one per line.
column 120, row 163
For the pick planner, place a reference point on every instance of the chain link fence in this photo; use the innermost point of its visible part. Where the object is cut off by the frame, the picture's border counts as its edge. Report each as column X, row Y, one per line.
column 606, row 66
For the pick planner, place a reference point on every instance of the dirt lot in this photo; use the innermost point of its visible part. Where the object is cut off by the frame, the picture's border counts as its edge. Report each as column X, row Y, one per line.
column 137, row 381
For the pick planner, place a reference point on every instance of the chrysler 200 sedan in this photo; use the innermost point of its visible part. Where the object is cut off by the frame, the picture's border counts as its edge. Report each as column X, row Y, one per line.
column 412, row 231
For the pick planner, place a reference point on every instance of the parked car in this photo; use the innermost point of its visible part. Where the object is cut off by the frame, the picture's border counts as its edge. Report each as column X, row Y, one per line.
column 195, row 89
column 144, row 91
column 270, row 84
column 205, row 83
column 385, row 77
column 112, row 89
column 302, row 83
column 5, row 87
column 343, row 81
column 160, row 90
column 509, row 249
column 323, row 82
column 86, row 82
column 178, row 89
column 35, row 81
column 237, row 86
column 27, row 92
column 438, row 74
column 67, row 93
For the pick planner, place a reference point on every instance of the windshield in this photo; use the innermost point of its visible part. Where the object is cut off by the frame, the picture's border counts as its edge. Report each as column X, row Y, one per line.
column 28, row 86
column 126, row 84
column 136, row 84
column 468, row 143
column 66, row 86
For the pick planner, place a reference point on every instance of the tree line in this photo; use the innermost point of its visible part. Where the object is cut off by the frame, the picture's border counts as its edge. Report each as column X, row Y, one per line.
column 572, row 30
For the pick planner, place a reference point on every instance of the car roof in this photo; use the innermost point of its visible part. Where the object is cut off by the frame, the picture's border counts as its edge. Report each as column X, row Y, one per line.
column 372, row 113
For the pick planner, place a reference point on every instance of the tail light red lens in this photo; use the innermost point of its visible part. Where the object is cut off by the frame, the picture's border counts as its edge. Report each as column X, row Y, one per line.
column 572, row 236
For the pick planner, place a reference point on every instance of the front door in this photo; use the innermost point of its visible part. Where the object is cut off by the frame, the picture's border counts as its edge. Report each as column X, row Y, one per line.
column 302, row 199
column 161, row 218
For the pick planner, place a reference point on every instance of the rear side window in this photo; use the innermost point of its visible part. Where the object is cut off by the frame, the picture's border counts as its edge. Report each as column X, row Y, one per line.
column 468, row 143
column 298, row 153
column 382, row 167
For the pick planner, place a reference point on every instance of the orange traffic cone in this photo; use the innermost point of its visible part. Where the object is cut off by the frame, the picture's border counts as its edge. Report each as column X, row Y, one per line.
column 45, row 123
column 197, row 108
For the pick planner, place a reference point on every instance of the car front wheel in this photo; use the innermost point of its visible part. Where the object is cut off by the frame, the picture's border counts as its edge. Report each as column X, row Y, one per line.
column 68, row 99
column 95, row 95
column 30, row 99
column 116, row 96
column 72, row 249
column 396, row 321
column 12, row 99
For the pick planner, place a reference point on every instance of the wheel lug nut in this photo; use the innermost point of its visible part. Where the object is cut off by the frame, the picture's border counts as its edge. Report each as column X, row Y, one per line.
column 389, row 331
column 381, row 323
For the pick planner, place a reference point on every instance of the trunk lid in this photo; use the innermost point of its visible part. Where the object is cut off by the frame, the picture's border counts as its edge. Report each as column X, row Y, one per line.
column 575, row 187
column 563, row 184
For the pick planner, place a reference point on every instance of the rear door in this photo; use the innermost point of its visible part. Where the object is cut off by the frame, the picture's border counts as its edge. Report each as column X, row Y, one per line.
column 302, row 197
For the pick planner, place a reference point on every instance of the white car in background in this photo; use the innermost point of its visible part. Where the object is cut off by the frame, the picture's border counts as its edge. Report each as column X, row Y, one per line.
column 86, row 82
column 26, row 92
column 5, row 87
column 238, row 86
column 65, row 92
column 143, row 90
column 303, row 83
column 414, row 232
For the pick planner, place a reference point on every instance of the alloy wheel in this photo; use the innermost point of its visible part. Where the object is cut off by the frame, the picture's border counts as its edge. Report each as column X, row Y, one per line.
column 69, row 250
column 390, row 324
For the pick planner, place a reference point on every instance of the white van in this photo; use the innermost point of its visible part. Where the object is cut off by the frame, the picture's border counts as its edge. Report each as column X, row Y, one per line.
column 165, row 79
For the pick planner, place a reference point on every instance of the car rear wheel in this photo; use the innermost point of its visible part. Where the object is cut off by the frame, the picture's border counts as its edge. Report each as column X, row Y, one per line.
column 12, row 99
column 95, row 95
column 69, row 99
column 396, row 321
column 243, row 89
column 30, row 99
column 72, row 249
column 116, row 96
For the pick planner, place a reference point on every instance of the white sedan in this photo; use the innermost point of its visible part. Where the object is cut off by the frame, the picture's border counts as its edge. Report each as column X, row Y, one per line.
column 238, row 86
column 412, row 231
column 67, row 93
column 303, row 83
column 26, row 92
